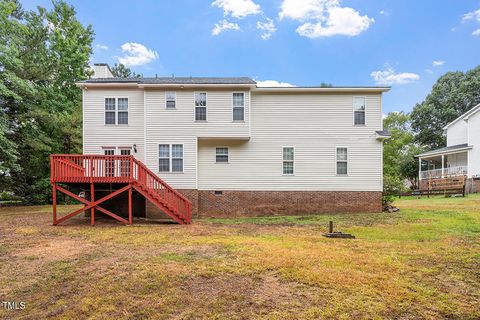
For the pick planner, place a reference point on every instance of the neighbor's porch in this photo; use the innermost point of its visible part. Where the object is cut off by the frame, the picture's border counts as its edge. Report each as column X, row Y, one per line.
column 441, row 165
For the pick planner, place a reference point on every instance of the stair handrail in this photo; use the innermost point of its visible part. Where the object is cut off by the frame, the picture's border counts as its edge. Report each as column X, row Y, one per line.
column 158, row 179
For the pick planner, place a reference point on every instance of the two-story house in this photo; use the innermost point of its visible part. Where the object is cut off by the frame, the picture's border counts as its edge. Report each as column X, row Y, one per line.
column 234, row 148
column 461, row 156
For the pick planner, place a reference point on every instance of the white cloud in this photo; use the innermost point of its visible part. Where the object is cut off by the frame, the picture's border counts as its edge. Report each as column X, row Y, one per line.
column 474, row 15
column 136, row 54
column 237, row 8
column 267, row 27
column 273, row 83
column 223, row 26
column 324, row 18
column 101, row 46
column 438, row 63
column 388, row 76
column 385, row 12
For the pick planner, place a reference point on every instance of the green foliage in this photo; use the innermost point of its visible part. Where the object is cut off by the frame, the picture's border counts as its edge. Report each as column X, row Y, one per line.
column 42, row 54
column 399, row 153
column 119, row 70
column 452, row 95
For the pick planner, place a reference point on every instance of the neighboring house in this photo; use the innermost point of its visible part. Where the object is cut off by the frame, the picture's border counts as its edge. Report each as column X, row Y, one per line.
column 461, row 156
column 237, row 149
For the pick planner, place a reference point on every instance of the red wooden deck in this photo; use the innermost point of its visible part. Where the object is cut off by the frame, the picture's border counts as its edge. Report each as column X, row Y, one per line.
column 94, row 169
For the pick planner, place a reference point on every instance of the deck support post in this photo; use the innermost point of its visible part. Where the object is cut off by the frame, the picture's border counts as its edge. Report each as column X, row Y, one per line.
column 130, row 218
column 92, row 199
column 54, row 198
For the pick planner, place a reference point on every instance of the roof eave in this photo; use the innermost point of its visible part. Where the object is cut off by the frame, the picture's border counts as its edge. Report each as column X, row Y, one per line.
column 443, row 152
column 323, row 89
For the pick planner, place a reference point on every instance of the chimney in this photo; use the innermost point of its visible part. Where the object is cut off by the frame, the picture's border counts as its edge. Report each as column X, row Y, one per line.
column 101, row 70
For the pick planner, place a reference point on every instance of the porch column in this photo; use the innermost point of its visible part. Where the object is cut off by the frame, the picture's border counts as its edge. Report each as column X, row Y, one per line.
column 419, row 170
column 443, row 166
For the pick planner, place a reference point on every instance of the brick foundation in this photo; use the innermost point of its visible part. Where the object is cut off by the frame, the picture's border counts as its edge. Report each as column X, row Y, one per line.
column 262, row 203
column 155, row 213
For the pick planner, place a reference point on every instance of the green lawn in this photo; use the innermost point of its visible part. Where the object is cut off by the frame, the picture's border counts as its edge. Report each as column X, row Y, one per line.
column 422, row 262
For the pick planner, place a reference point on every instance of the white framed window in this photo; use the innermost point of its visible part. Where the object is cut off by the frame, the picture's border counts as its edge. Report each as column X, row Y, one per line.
column 200, row 106
column 110, row 110
column 177, row 157
column 288, row 160
column 109, row 151
column 342, row 161
column 116, row 110
column 170, row 157
column 170, row 100
column 164, row 158
column 221, row 155
column 125, row 151
column 238, row 100
column 359, row 111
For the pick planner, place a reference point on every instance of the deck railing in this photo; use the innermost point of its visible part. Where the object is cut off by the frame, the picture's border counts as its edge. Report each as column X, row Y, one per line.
column 447, row 172
column 72, row 168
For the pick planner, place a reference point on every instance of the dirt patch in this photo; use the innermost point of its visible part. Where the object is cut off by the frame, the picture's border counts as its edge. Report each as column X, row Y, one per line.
column 57, row 249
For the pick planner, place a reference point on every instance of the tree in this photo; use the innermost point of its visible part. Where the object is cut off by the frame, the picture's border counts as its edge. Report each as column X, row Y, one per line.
column 119, row 70
column 43, row 53
column 452, row 95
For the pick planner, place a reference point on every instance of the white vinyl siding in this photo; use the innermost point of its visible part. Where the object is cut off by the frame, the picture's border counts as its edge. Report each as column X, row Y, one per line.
column 179, row 127
column 97, row 134
column 320, row 123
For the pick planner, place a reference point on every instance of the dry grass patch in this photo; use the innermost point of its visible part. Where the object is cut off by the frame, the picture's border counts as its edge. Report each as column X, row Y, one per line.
column 419, row 263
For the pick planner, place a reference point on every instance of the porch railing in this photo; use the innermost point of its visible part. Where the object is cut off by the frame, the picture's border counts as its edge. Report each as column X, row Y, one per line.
column 447, row 172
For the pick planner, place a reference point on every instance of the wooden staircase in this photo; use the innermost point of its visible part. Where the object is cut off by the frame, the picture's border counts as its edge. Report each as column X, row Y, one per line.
column 95, row 169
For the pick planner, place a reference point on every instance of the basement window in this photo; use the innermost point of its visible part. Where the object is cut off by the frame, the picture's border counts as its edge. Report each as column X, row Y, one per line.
column 218, row 193
column 221, row 155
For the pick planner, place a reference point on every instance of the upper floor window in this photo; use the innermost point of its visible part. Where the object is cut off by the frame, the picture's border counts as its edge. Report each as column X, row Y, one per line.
column 342, row 161
column 116, row 110
column 238, row 106
column 170, row 98
column 170, row 157
column 288, row 160
column 359, row 110
column 221, row 154
column 200, row 106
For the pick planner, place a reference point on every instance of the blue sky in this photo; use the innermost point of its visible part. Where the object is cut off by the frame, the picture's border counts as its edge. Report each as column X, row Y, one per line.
column 407, row 44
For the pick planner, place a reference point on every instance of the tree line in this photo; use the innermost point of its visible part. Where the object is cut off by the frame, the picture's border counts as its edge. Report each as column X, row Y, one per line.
column 42, row 54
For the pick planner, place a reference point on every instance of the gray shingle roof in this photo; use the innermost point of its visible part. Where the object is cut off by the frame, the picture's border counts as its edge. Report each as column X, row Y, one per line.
column 174, row 80
column 445, row 149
